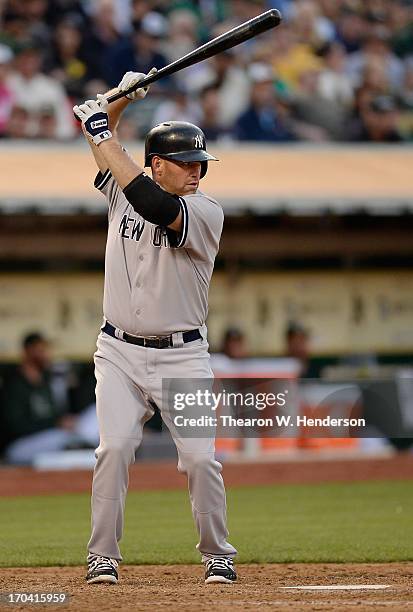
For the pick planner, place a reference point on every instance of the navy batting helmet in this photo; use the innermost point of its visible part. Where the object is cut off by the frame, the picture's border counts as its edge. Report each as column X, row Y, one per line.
column 180, row 141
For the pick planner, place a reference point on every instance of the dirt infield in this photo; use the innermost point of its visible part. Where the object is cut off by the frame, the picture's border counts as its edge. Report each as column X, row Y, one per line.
column 25, row 481
column 181, row 587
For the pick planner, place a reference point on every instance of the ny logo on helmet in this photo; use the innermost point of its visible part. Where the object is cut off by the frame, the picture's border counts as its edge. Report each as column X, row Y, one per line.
column 199, row 142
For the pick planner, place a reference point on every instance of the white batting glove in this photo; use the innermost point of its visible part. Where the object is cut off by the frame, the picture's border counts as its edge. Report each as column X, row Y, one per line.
column 132, row 78
column 94, row 117
column 103, row 102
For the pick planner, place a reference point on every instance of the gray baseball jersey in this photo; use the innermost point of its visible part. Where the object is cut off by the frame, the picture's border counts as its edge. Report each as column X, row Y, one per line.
column 156, row 280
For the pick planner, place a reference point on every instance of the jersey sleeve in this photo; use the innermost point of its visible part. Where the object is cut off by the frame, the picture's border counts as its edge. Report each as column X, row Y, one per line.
column 202, row 221
column 109, row 187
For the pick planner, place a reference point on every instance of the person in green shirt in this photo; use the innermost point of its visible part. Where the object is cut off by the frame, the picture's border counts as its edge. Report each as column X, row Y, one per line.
column 33, row 420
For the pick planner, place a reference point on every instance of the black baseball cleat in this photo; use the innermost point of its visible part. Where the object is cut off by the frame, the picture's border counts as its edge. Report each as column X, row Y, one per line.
column 101, row 569
column 220, row 569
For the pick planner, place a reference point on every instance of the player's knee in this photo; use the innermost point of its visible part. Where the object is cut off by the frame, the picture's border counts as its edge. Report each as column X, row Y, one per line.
column 117, row 450
column 198, row 463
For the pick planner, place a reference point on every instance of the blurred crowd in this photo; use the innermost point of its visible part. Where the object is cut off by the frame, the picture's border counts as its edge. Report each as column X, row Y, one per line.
column 335, row 70
column 47, row 406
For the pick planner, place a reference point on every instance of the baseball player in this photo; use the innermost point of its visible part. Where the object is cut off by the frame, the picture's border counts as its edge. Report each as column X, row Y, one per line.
column 163, row 237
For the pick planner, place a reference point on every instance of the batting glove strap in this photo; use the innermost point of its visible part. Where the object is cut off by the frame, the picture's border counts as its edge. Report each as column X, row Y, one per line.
column 102, row 136
column 98, row 127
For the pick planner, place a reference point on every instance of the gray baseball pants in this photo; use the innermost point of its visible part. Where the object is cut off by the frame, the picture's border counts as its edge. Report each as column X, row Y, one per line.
column 128, row 376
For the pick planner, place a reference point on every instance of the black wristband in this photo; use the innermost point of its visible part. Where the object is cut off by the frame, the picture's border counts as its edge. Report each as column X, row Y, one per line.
column 151, row 202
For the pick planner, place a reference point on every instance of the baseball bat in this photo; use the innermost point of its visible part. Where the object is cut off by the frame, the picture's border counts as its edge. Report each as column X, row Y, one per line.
column 266, row 21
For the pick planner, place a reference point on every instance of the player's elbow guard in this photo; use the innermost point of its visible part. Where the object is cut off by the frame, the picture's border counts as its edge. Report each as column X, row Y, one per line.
column 151, row 202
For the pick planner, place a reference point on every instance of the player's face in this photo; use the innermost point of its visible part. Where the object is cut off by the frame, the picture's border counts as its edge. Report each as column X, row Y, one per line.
column 180, row 178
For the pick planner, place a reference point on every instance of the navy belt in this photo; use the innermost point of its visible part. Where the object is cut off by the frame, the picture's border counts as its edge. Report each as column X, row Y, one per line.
column 159, row 342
